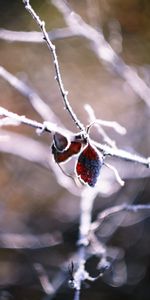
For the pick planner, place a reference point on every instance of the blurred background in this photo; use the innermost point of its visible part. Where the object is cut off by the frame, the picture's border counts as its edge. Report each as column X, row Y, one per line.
column 39, row 217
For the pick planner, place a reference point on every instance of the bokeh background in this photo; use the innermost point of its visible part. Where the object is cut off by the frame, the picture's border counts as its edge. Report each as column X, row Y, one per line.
column 32, row 202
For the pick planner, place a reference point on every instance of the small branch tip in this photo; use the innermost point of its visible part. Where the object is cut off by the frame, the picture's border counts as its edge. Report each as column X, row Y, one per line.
column 148, row 162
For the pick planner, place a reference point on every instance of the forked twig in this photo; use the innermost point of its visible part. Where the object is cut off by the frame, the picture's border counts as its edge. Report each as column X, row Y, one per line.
column 51, row 127
column 103, row 50
column 115, row 209
column 34, row 36
column 36, row 101
column 58, row 77
column 100, row 123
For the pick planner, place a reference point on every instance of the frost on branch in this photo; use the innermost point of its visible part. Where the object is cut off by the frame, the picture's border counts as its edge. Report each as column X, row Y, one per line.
column 63, row 167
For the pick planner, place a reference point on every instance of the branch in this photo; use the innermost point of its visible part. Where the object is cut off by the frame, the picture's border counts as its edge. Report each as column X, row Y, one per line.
column 86, row 234
column 100, row 123
column 51, row 127
column 17, row 120
column 87, row 200
column 20, row 119
column 51, row 47
column 115, row 209
column 119, row 153
column 38, row 103
column 29, row 241
column 44, row 280
column 103, row 50
column 112, row 124
column 34, row 36
column 38, row 153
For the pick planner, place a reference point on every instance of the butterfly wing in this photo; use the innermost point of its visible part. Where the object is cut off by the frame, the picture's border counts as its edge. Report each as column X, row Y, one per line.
column 88, row 165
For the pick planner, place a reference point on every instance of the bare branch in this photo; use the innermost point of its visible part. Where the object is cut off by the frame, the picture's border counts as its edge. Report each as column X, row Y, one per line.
column 35, row 152
column 39, row 105
column 87, row 200
column 51, row 127
column 34, row 36
column 100, row 123
column 6, row 121
column 40, row 127
column 103, row 50
column 20, row 119
column 29, row 241
column 43, row 278
column 117, row 176
column 51, row 47
column 115, row 209
column 116, row 152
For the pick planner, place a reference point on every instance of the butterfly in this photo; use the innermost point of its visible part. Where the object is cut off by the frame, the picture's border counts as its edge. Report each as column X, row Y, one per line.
column 89, row 161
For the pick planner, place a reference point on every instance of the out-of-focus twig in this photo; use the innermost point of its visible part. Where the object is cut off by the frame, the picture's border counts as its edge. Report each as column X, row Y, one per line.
column 100, row 123
column 115, row 209
column 50, row 127
column 29, row 241
column 103, row 50
column 117, row 63
column 123, row 154
column 111, row 124
column 117, row 176
column 58, row 77
column 38, row 103
column 19, row 119
column 87, row 200
column 35, row 152
column 44, row 280
column 34, row 36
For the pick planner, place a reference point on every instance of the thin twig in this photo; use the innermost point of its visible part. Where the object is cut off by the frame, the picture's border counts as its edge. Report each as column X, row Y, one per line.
column 117, row 176
column 44, row 280
column 100, row 123
column 34, row 36
column 112, row 124
column 29, row 241
column 52, row 48
column 116, row 152
column 103, row 50
column 51, row 127
column 87, row 200
column 21, row 119
column 17, row 120
column 35, row 152
column 38, row 103
column 115, row 209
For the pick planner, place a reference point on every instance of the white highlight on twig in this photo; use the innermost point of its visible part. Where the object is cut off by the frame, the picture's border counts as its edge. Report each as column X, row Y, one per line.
column 118, row 178
column 103, row 50
column 115, row 209
column 51, row 47
column 36, row 101
column 34, row 36
column 100, row 123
